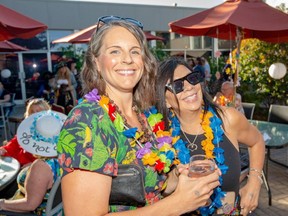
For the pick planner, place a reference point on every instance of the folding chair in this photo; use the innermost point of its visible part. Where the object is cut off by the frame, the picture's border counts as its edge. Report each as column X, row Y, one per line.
column 248, row 109
column 54, row 202
column 58, row 108
column 278, row 114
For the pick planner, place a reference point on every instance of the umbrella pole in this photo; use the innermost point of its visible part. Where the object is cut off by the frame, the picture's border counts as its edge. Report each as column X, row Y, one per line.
column 237, row 60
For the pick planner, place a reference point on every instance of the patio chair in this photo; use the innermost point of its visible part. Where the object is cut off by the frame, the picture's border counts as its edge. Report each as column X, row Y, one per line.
column 248, row 109
column 54, row 202
column 278, row 114
column 58, row 108
column 69, row 108
column 4, row 114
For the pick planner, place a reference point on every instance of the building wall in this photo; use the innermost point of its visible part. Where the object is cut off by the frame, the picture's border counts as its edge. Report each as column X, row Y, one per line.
column 59, row 14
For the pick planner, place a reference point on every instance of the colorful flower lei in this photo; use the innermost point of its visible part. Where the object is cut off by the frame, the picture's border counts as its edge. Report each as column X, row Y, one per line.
column 223, row 101
column 161, row 156
column 213, row 132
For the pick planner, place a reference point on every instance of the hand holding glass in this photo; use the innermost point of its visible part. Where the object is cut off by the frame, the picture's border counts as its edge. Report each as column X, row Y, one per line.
column 200, row 166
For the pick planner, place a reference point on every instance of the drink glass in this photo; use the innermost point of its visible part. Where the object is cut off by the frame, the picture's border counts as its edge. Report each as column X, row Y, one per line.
column 200, row 166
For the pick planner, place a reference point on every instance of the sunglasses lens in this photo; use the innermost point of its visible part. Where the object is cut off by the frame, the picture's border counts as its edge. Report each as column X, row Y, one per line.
column 178, row 86
column 107, row 19
column 135, row 22
column 193, row 78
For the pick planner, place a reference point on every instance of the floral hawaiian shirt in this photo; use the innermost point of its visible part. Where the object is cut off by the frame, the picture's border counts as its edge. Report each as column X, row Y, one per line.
column 90, row 141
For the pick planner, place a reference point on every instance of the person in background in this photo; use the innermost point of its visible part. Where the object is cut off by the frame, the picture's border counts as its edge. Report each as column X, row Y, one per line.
column 207, row 71
column 200, row 66
column 226, row 96
column 191, row 62
column 215, row 131
column 12, row 147
column 4, row 94
column 109, row 129
column 65, row 92
column 36, row 180
column 47, row 86
column 216, row 84
column 76, row 79
column 71, row 65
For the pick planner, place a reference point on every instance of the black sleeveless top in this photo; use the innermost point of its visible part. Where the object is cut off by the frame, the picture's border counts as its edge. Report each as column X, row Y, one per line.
column 232, row 160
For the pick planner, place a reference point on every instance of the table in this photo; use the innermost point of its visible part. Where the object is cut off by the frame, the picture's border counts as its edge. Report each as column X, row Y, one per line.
column 9, row 168
column 275, row 136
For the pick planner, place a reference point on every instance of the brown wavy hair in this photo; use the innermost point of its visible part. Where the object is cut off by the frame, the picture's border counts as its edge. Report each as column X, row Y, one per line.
column 144, row 91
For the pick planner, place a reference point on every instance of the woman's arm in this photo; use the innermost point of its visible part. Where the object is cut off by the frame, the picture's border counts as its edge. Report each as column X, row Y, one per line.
column 241, row 130
column 11, row 149
column 87, row 193
column 7, row 98
column 39, row 179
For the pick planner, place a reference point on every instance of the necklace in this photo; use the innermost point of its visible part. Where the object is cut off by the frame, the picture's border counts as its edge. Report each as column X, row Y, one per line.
column 160, row 153
column 191, row 145
column 212, row 127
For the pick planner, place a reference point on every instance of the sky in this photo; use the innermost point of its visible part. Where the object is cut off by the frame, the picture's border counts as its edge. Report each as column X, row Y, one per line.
column 277, row 2
column 183, row 3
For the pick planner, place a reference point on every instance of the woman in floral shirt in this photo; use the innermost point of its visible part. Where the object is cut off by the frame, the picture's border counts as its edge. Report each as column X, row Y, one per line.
column 109, row 128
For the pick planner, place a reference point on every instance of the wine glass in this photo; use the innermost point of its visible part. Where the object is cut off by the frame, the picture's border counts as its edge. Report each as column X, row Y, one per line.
column 201, row 165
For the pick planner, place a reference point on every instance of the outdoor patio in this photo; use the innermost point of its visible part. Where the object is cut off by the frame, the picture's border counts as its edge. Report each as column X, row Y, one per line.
column 277, row 178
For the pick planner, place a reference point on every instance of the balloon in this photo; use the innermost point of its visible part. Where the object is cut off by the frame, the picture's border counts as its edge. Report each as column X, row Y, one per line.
column 5, row 73
column 277, row 70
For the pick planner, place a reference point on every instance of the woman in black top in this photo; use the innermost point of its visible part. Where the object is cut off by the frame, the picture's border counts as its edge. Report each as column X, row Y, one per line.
column 205, row 128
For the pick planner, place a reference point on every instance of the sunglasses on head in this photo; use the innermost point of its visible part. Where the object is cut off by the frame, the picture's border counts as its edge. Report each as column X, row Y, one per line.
column 178, row 85
column 107, row 19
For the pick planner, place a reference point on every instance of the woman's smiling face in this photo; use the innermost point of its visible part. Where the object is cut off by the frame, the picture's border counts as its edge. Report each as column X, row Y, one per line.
column 191, row 96
column 120, row 62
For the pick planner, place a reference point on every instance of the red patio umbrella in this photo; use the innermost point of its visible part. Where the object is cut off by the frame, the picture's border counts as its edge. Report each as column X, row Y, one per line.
column 236, row 19
column 7, row 46
column 150, row 36
column 16, row 25
column 54, row 58
column 254, row 18
column 84, row 36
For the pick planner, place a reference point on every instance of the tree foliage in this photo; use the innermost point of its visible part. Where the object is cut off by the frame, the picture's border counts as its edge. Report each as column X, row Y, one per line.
column 256, row 85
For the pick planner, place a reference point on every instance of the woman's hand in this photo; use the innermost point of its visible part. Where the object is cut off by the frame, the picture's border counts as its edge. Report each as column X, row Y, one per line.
column 250, row 194
column 2, row 151
column 195, row 192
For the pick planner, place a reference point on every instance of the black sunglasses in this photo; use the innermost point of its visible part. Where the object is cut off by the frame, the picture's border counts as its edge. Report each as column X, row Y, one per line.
column 178, row 85
column 107, row 19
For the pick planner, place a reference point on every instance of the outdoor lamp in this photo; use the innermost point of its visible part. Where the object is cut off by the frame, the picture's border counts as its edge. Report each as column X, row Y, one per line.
column 277, row 70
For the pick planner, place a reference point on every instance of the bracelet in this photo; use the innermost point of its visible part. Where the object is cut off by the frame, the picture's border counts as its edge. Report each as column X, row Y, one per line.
column 256, row 170
column 258, row 176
